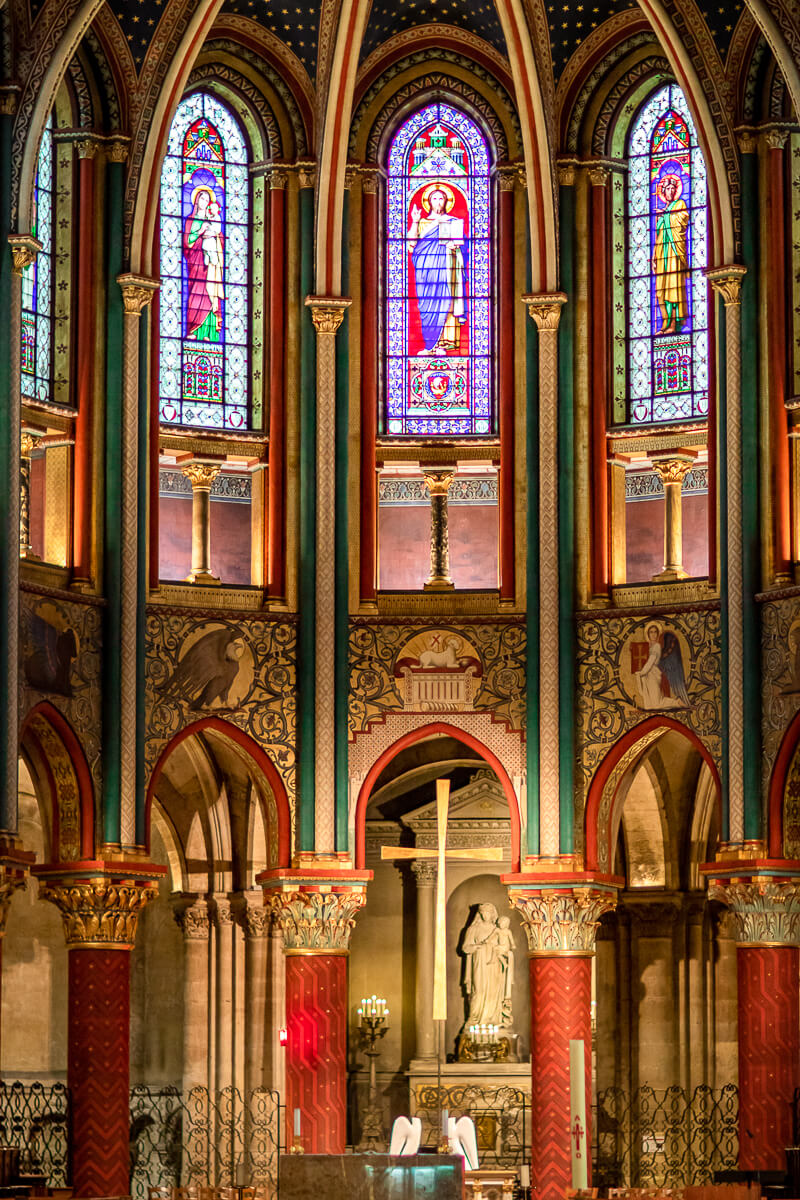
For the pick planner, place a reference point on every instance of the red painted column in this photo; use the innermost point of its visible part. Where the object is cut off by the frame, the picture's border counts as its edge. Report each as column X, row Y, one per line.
column 769, row 1053
column 561, row 925
column 315, row 910
column 98, row 1055
column 505, row 384
column 777, row 356
column 764, row 899
column 84, row 378
column 276, row 523
column 369, row 383
column 599, row 380
column 99, row 911
column 316, row 1049
column 561, row 997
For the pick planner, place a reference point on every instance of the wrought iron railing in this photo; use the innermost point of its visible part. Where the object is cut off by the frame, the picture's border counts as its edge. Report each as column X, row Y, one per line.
column 500, row 1115
column 664, row 1138
column 202, row 1137
column 35, row 1118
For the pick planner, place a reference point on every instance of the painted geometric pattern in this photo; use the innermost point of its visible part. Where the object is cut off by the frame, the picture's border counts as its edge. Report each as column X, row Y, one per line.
column 316, row 1049
column 560, row 1011
column 769, row 1053
column 98, row 1070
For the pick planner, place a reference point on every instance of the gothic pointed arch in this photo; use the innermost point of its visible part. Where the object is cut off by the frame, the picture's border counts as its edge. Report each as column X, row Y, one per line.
column 60, row 773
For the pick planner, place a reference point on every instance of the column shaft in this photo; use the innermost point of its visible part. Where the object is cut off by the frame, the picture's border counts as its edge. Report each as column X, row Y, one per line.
column 26, row 446
column 769, row 1053
column 276, row 533
column 776, row 353
column 426, row 1031
column 438, row 485
column 561, row 995
column 194, row 923
column 600, row 309
column 256, row 922
column 316, row 1050
column 224, row 981
column 369, row 385
column 84, row 377
column 98, row 1070
column 506, row 390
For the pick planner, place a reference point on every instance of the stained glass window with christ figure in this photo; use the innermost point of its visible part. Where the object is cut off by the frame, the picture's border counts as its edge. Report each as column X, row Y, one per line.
column 37, row 300
column 204, row 296
column 667, row 290
column 438, row 278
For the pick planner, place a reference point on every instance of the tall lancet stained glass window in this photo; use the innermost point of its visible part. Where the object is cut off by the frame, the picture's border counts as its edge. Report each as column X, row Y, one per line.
column 37, row 297
column 667, row 290
column 204, row 296
column 438, row 378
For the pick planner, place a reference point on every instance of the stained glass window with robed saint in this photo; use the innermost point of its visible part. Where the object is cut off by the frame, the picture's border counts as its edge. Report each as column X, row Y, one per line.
column 438, row 321
column 37, row 298
column 667, row 290
column 204, row 296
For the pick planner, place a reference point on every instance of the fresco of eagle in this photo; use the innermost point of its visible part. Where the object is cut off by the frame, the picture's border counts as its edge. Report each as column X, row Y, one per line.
column 52, row 651
column 208, row 669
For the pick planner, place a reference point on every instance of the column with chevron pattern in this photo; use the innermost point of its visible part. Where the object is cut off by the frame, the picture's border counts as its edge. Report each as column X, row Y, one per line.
column 316, row 911
column 765, row 904
column 100, row 912
column 561, row 918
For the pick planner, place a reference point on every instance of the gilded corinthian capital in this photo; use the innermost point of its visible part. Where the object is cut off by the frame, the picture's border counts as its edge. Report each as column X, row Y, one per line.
column 560, row 921
column 327, row 312
column 99, row 912
column 318, row 921
column 545, row 309
column 765, row 909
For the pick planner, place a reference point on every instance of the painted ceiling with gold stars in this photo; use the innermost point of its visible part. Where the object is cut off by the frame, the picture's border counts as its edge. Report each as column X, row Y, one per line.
column 388, row 17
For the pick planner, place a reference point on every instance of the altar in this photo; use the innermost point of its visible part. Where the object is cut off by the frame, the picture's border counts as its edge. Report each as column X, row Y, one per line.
column 371, row 1177
column 496, row 1095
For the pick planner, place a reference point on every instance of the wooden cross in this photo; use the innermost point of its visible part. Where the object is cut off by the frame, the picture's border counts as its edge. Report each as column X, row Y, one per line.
column 441, row 853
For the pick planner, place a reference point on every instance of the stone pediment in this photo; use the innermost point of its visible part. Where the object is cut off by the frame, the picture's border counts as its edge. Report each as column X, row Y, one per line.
column 477, row 811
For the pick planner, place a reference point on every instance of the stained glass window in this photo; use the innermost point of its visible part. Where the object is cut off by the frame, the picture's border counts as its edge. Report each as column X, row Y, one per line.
column 438, row 278
column 667, row 291
column 37, row 299
column 204, row 296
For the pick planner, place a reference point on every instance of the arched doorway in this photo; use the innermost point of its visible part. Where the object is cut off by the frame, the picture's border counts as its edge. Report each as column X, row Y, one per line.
column 392, row 946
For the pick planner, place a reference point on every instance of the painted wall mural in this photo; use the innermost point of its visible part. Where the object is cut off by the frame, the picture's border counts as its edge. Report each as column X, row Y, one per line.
column 630, row 668
column 204, row 665
column 398, row 667
column 780, row 696
column 60, row 659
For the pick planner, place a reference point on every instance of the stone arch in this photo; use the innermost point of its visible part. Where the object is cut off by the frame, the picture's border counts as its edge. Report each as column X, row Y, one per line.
column 255, row 760
column 63, row 783
column 418, row 734
column 607, row 792
column 785, row 775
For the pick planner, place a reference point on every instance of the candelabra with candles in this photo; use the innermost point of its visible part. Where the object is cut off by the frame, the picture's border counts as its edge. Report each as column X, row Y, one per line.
column 371, row 1028
column 483, row 1043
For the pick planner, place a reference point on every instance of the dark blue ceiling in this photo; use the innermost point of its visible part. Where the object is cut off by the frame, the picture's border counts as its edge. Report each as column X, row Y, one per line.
column 138, row 19
column 389, row 17
column 295, row 22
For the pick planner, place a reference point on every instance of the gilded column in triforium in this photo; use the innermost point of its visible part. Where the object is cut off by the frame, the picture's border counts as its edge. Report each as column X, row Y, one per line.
column 327, row 313
column 672, row 469
column 100, row 914
column 438, row 482
column 546, row 312
column 26, row 447
column 727, row 283
column 766, row 910
column 137, row 292
column 201, row 475
column 561, row 925
column 317, row 918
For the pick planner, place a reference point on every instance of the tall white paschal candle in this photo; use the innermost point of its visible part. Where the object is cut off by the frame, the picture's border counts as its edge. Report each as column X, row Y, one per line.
column 578, row 1133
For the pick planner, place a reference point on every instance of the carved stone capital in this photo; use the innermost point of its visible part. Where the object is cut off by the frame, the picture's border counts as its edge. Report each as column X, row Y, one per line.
column 439, row 481
column 318, row 920
column 765, row 909
column 99, row 912
column 747, row 141
column 137, row 292
column 327, row 312
column 370, row 179
column 87, row 147
column 562, row 921
column 278, row 178
column 425, row 871
column 307, row 174
column 27, row 443
column 223, row 912
column 565, row 172
column 508, row 176
column 545, row 310
column 775, row 139
column 727, row 281
column 24, row 249
column 9, row 99
column 201, row 475
column 192, row 919
column 599, row 175
column 117, row 151
column 673, row 468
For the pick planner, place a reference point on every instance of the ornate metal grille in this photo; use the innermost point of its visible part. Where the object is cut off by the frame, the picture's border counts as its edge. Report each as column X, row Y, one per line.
column 500, row 1115
column 217, row 1138
column 664, row 1138
column 35, row 1117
